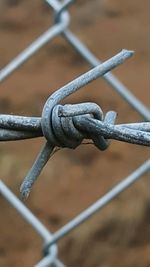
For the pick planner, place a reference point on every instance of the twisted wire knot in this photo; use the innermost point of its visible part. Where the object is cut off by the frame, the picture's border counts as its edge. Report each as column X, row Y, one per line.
column 61, row 11
column 59, row 127
column 64, row 131
column 58, row 122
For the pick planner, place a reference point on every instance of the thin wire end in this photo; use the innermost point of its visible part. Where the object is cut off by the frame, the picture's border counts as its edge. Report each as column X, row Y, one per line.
column 24, row 191
column 127, row 53
column 120, row 58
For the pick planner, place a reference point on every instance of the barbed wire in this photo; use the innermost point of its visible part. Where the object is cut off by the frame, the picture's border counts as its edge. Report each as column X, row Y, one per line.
column 61, row 26
column 68, row 125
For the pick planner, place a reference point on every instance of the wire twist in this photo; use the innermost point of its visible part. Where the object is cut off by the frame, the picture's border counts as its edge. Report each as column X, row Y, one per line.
column 67, row 126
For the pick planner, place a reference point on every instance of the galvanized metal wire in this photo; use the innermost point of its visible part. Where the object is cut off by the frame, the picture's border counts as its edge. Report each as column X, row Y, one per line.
column 51, row 256
column 68, row 125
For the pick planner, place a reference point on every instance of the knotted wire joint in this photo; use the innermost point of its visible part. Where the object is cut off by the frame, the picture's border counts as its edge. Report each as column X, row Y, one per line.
column 73, row 137
column 62, row 132
column 59, row 129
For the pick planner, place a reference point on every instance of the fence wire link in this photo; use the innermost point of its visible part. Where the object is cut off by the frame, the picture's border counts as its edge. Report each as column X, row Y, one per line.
column 68, row 125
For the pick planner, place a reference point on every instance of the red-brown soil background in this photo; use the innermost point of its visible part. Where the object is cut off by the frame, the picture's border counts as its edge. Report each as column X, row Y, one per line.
column 73, row 179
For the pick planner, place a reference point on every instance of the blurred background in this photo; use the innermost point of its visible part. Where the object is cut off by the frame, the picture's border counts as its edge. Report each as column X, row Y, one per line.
column 119, row 235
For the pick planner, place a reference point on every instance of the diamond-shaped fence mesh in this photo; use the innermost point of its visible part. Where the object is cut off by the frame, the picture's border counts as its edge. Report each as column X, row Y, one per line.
column 69, row 125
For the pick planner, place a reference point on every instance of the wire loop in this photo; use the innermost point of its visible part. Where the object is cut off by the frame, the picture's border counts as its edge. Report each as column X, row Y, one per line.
column 63, row 132
column 67, row 125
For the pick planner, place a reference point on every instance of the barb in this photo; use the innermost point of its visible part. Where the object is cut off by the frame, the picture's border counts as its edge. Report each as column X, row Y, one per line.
column 68, row 125
column 112, row 80
column 61, row 26
column 56, row 130
column 74, row 121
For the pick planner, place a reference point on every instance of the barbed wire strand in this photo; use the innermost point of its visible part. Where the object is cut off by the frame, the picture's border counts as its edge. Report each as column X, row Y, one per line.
column 84, row 122
column 48, row 122
column 62, row 19
column 93, row 61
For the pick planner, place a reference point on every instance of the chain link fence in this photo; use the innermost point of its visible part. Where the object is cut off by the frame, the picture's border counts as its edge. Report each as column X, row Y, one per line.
column 70, row 125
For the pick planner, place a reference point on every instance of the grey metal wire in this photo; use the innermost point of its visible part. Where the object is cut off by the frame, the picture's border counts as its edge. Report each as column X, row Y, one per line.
column 100, row 203
column 93, row 61
column 112, row 80
column 62, row 23
column 47, row 261
column 57, row 131
column 36, row 45
column 73, row 121
column 35, row 223
column 66, row 126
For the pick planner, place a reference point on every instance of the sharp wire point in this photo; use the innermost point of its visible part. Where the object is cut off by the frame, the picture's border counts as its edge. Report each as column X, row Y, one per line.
column 69, row 125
